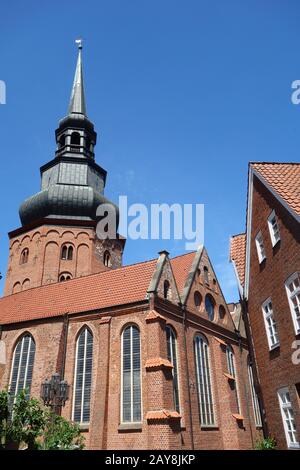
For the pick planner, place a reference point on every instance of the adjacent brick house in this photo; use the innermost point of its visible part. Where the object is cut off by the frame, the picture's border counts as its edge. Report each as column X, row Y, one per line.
column 154, row 358
column 267, row 263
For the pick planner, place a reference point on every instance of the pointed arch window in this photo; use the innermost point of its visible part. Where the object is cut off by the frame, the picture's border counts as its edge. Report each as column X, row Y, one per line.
column 172, row 356
column 204, row 386
column 83, row 377
column 24, row 256
column 232, row 373
column 131, row 399
column 22, row 366
column 67, row 252
column 255, row 402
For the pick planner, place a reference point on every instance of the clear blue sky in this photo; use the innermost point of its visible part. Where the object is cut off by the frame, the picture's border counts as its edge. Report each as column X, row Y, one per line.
column 183, row 94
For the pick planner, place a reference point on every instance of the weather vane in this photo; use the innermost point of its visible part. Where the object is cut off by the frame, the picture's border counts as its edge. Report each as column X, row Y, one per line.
column 79, row 42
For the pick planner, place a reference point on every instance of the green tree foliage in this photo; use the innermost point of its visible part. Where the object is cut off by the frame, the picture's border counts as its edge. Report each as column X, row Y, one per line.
column 269, row 443
column 27, row 424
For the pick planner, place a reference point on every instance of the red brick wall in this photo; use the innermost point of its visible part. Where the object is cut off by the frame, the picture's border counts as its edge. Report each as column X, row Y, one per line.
column 275, row 368
column 44, row 264
column 104, row 430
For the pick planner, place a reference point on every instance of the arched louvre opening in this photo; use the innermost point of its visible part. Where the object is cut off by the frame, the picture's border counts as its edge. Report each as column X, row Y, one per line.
column 131, row 405
column 203, row 371
column 22, row 366
column 172, row 356
column 83, row 377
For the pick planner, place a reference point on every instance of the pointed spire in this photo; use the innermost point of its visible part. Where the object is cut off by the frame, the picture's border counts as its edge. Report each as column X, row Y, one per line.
column 77, row 100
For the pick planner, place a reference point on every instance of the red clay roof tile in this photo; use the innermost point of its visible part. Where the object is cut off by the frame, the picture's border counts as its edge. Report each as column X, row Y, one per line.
column 238, row 255
column 284, row 178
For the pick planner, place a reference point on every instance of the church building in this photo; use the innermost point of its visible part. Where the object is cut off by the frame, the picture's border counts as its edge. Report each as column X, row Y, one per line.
column 154, row 356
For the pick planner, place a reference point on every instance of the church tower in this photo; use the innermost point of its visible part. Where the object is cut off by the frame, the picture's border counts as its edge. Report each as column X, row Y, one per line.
column 57, row 240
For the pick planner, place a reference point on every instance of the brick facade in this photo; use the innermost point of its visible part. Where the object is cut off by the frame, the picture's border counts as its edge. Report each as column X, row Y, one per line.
column 45, row 264
column 275, row 368
column 161, row 427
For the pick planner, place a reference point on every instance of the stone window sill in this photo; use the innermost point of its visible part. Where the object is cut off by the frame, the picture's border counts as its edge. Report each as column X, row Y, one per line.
column 130, row 427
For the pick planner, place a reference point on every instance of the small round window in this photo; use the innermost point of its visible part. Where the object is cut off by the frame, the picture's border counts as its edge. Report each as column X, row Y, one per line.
column 210, row 307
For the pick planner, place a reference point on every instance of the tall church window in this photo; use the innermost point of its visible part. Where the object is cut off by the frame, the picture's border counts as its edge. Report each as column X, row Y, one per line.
column 172, row 356
column 203, row 373
column 22, row 366
column 255, row 402
column 24, row 256
column 232, row 373
column 131, row 404
column 83, row 377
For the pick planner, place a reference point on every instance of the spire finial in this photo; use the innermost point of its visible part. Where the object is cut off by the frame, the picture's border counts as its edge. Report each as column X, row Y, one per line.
column 79, row 41
column 77, row 100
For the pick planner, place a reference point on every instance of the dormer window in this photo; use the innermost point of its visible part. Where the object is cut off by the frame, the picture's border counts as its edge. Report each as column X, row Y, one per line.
column 260, row 247
column 107, row 259
column 67, row 252
column 273, row 228
column 24, row 256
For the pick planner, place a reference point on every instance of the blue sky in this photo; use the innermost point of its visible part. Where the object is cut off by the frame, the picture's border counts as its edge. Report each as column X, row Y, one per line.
column 182, row 93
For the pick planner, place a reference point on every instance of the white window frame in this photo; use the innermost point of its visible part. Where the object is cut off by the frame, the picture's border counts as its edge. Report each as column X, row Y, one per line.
column 272, row 230
column 260, row 247
column 255, row 402
column 206, row 392
column 30, row 345
column 270, row 324
column 125, row 423
column 286, row 406
column 85, row 330
column 295, row 294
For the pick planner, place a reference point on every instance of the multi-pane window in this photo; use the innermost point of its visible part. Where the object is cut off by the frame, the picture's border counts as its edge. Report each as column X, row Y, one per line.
column 172, row 356
column 83, row 377
column 288, row 418
column 131, row 404
column 293, row 292
column 273, row 228
column 270, row 324
column 22, row 366
column 260, row 247
column 205, row 395
column 232, row 372
column 255, row 403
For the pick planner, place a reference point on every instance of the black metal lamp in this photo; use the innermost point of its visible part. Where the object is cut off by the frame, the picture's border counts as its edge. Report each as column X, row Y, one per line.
column 55, row 392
